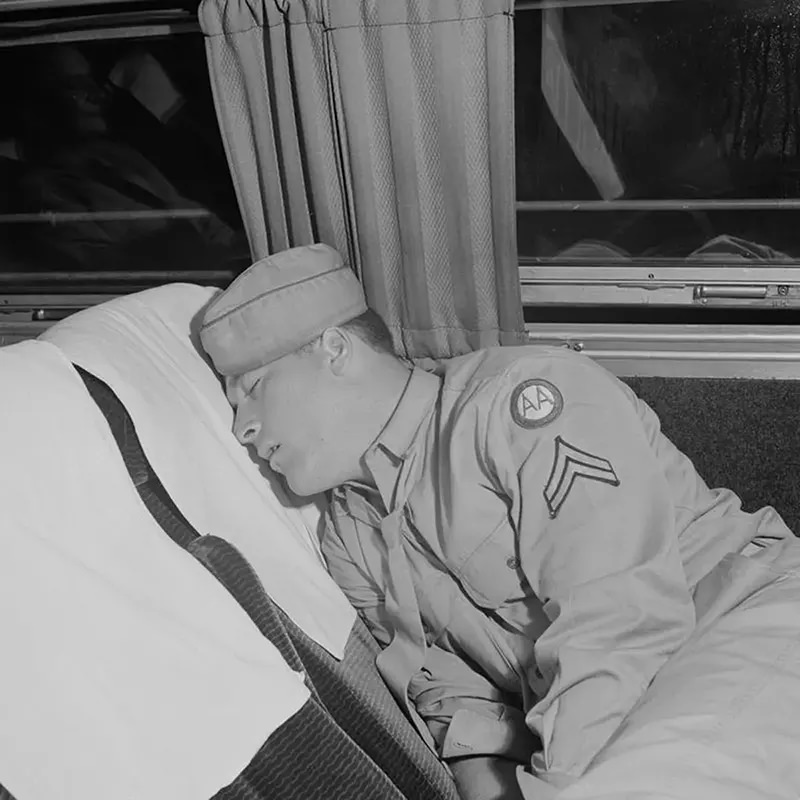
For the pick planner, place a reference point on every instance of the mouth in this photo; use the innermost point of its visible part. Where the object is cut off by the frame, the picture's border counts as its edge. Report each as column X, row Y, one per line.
column 269, row 457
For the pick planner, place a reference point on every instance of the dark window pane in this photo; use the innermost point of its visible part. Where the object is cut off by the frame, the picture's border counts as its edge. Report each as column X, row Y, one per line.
column 659, row 130
column 111, row 160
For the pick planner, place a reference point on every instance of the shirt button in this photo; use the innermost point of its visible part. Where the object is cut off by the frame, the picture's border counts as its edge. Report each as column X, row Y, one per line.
column 513, row 563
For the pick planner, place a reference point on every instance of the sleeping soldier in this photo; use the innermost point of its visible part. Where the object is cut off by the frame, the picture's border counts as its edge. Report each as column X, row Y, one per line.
column 526, row 545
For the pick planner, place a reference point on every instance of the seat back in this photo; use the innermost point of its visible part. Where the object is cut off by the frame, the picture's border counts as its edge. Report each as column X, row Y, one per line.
column 383, row 752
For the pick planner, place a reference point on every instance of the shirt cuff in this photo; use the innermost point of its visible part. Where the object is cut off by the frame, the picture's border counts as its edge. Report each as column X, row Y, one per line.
column 559, row 780
column 534, row 788
column 471, row 733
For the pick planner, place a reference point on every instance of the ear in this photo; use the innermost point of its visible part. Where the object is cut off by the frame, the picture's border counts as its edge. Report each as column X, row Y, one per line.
column 337, row 349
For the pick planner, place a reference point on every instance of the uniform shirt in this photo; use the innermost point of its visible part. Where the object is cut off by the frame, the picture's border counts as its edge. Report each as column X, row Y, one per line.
column 529, row 553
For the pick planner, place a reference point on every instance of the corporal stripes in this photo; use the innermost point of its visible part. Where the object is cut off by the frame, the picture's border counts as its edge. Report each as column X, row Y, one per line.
column 569, row 464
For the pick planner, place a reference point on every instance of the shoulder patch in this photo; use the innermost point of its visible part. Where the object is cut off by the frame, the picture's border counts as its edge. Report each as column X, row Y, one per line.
column 535, row 403
column 569, row 464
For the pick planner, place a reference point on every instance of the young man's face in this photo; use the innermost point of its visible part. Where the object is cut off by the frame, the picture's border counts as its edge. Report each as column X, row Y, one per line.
column 288, row 412
column 77, row 102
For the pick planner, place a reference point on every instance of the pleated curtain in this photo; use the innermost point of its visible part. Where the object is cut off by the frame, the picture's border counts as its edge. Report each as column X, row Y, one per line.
column 385, row 129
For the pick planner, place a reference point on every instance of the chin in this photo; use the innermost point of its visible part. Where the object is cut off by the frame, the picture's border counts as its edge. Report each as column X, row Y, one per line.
column 307, row 487
column 300, row 488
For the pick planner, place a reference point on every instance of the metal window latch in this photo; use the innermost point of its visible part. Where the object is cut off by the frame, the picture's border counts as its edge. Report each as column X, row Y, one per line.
column 50, row 315
column 732, row 292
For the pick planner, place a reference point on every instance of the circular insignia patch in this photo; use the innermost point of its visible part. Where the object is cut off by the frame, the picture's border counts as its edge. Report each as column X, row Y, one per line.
column 535, row 403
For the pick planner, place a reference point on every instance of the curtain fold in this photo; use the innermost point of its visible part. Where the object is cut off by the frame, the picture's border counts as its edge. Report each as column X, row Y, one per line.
column 385, row 129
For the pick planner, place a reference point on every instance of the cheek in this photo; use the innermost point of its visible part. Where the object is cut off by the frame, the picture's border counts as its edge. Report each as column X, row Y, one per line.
column 321, row 425
column 287, row 418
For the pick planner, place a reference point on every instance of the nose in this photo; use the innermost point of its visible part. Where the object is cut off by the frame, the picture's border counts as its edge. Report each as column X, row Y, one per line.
column 246, row 430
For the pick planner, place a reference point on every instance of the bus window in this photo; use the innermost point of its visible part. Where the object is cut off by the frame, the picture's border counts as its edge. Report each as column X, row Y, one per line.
column 111, row 159
column 658, row 144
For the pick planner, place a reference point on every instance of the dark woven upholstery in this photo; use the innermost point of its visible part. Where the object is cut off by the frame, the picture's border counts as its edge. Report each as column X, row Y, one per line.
column 355, row 694
column 310, row 758
column 355, row 743
column 351, row 690
column 150, row 488
column 332, row 763
column 231, row 569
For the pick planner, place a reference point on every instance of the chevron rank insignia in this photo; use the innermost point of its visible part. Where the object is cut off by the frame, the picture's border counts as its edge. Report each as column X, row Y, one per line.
column 569, row 464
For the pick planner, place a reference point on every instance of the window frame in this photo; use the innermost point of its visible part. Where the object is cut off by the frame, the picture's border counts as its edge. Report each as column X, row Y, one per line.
column 548, row 283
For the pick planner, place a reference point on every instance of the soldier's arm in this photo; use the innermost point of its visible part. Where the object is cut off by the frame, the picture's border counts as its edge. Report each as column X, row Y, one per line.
column 596, row 540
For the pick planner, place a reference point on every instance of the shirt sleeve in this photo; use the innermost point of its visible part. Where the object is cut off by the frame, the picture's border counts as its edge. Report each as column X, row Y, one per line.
column 353, row 554
column 465, row 713
column 596, row 540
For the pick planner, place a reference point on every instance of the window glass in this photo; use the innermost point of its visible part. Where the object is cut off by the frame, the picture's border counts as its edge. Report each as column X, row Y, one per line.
column 658, row 131
column 111, row 159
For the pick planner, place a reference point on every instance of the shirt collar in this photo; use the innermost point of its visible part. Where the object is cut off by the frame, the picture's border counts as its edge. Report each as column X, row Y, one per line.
column 387, row 459
column 415, row 404
column 386, row 454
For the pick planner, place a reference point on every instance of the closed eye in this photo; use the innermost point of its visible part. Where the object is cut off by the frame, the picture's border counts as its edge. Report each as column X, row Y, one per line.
column 249, row 392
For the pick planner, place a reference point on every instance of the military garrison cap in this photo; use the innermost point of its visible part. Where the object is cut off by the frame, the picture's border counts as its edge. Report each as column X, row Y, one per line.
column 277, row 305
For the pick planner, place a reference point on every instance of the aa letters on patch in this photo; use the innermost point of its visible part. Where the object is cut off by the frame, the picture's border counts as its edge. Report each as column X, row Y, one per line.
column 535, row 403
column 570, row 464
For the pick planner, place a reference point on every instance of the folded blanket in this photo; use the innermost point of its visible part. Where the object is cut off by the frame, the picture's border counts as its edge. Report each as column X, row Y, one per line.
column 128, row 670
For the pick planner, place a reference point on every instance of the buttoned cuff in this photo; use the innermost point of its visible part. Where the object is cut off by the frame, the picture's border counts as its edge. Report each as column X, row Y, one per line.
column 471, row 733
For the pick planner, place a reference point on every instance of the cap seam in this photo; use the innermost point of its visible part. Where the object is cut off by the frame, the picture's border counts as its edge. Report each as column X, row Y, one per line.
column 246, row 365
column 273, row 291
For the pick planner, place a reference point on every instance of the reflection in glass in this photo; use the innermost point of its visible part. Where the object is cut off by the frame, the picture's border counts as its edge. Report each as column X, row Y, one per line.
column 111, row 160
column 659, row 130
